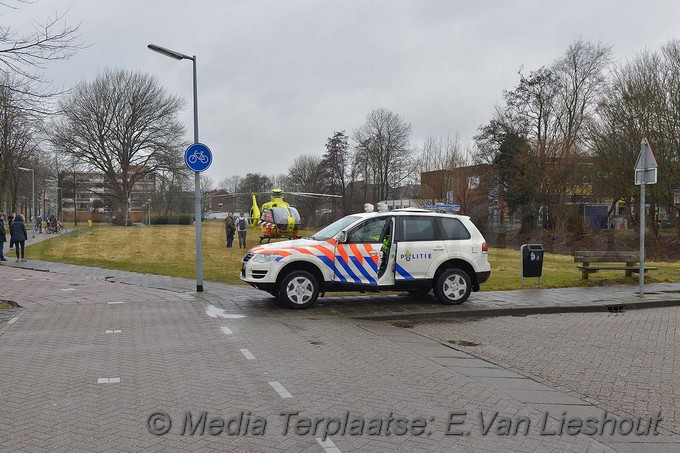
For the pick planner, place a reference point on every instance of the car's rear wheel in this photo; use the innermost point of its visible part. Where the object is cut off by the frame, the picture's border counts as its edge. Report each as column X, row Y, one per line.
column 453, row 287
column 299, row 289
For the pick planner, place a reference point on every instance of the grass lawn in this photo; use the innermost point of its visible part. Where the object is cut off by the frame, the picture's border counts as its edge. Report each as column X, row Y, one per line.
column 170, row 250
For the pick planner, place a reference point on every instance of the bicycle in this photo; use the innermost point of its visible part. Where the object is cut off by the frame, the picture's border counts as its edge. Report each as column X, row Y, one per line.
column 58, row 228
column 198, row 156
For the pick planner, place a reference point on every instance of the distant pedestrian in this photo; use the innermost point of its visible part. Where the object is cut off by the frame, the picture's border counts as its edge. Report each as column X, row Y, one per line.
column 10, row 219
column 52, row 224
column 230, row 228
column 3, row 237
column 242, row 228
column 37, row 224
column 18, row 232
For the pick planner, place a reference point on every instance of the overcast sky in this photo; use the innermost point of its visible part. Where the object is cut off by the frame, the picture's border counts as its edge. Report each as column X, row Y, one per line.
column 277, row 78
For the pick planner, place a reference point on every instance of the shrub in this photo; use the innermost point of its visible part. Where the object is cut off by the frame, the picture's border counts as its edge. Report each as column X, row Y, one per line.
column 185, row 219
column 182, row 219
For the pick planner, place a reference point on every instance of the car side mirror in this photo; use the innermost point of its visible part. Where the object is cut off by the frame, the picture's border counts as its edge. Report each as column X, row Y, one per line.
column 343, row 236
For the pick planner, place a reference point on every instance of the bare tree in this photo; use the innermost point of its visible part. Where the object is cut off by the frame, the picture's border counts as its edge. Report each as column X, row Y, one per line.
column 18, row 141
column 440, row 155
column 174, row 187
column 666, row 142
column 643, row 101
column 550, row 110
column 581, row 81
column 230, row 184
column 255, row 183
column 279, row 180
column 304, row 175
column 384, row 152
column 123, row 124
column 207, row 186
column 25, row 55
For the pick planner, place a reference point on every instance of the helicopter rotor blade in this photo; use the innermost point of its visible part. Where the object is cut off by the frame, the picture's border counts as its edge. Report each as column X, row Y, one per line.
column 314, row 195
column 301, row 194
column 231, row 195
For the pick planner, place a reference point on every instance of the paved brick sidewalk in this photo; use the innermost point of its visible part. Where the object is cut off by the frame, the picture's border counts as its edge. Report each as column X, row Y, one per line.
column 626, row 362
column 88, row 362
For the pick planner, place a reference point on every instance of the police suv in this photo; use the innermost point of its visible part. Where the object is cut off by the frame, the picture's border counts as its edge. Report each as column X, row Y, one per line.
column 406, row 249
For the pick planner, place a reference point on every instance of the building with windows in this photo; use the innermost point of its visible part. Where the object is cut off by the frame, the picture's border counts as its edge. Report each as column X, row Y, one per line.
column 88, row 192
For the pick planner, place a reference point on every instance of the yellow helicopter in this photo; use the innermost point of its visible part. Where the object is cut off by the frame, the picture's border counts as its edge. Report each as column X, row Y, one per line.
column 277, row 218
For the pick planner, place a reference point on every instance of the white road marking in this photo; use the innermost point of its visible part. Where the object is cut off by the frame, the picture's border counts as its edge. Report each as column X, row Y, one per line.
column 118, row 302
column 226, row 330
column 114, row 331
column 214, row 312
column 106, row 380
column 18, row 279
column 226, row 316
column 276, row 385
column 13, row 320
column 328, row 445
column 249, row 355
column 67, row 289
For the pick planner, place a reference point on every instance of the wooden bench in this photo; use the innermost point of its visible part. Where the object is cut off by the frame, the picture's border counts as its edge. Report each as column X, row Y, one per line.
column 610, row 262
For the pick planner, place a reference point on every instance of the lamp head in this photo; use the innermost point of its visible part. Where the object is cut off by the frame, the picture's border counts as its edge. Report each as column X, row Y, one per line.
column 168, row 52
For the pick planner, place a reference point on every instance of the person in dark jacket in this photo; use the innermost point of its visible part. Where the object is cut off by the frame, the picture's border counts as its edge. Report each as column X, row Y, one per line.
column 18, row 232
column 230, row 228
column 3, row 237
column 10, row 219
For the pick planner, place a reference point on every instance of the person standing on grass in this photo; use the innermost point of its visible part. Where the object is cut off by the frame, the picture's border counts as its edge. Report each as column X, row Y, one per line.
column 242, row 228
column 3, row 237
column 230, row 229
column 18, row 232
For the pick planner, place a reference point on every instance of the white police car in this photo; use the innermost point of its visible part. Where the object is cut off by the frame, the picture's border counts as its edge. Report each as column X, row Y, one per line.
column 405, row 249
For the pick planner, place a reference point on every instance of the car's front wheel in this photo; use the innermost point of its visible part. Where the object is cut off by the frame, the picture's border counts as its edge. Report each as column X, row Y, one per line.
column 453, row 287
column 299, row 289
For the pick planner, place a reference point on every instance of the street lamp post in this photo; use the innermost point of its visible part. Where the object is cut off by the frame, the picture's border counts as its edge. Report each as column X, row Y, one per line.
column 148, row 202
column 197, row 175
column 33, row 192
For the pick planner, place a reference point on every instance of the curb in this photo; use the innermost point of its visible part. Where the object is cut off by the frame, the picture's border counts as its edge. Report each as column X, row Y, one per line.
column 613, row 307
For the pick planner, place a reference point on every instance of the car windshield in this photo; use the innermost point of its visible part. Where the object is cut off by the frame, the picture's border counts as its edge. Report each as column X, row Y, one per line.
column 335, row 227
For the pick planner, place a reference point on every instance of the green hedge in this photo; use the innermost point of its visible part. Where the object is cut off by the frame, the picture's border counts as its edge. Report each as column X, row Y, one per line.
column 182, row 219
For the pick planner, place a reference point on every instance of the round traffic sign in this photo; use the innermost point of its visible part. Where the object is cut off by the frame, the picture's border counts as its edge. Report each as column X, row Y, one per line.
column 198, row 157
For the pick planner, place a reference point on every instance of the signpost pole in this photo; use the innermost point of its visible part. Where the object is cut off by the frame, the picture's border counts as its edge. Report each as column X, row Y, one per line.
column 197, row 196
column 645, row 173
column 200, row 161
column 641, row 291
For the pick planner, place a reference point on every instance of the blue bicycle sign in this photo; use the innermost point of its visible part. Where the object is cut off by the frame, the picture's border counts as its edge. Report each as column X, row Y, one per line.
column 198, row 157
